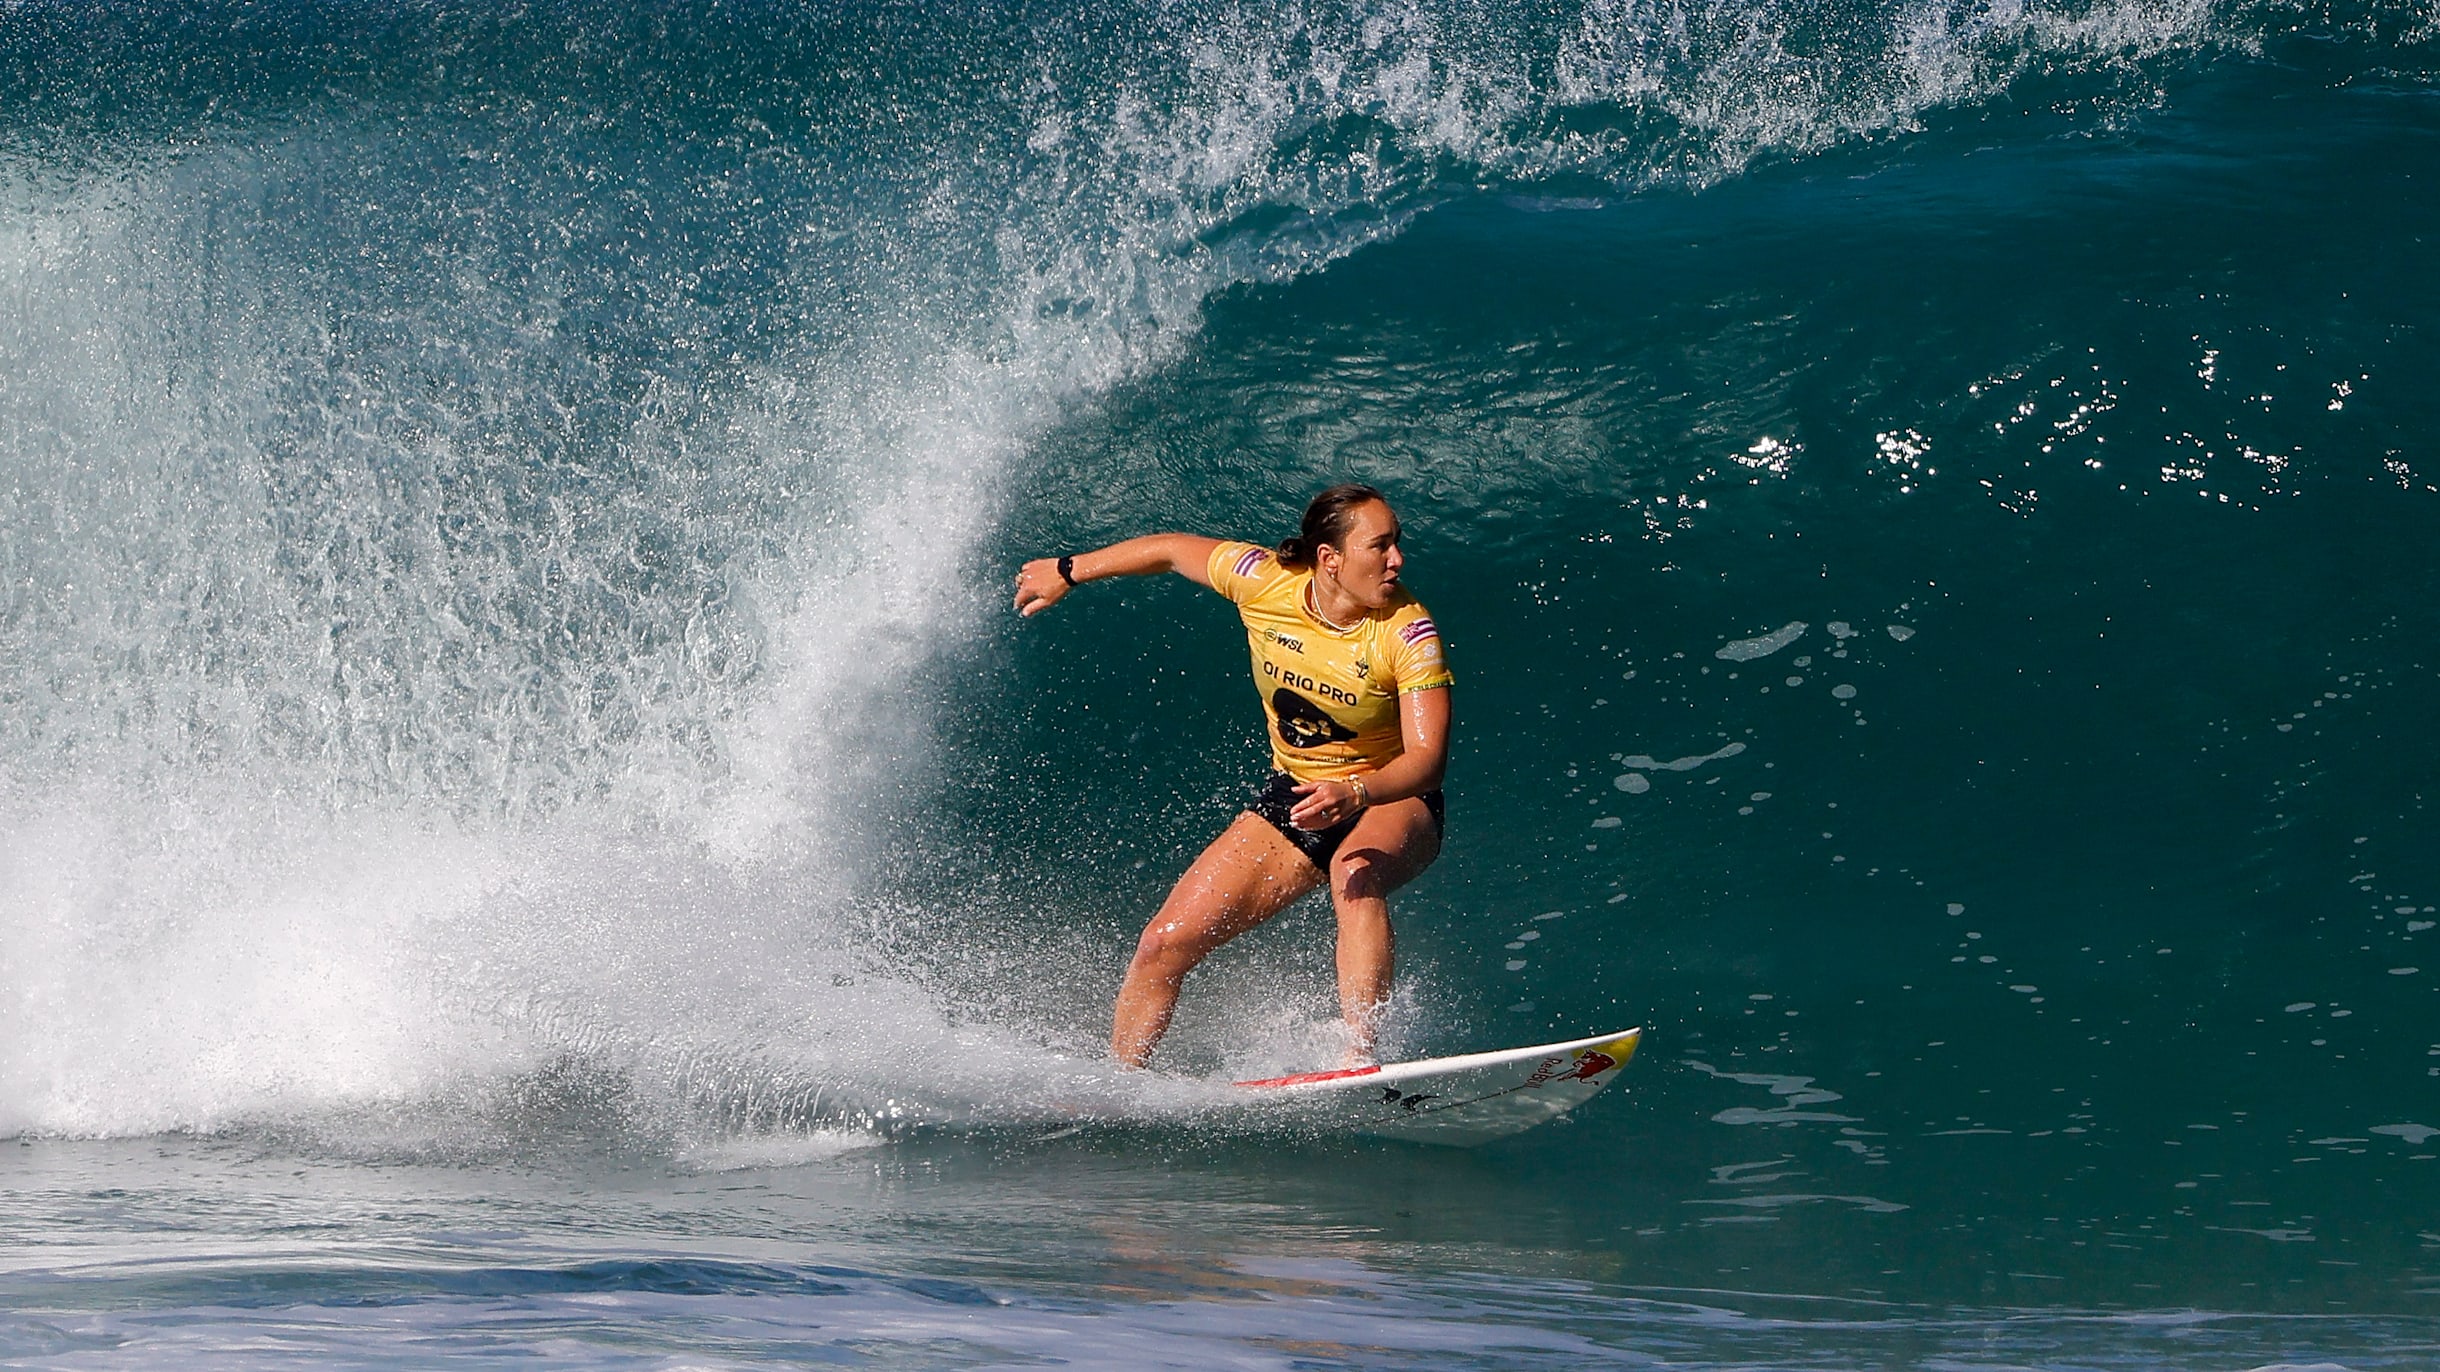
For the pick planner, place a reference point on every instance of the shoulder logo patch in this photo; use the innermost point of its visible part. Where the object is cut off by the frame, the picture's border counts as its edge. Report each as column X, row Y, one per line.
column 1418, row 631
column 1250, row 559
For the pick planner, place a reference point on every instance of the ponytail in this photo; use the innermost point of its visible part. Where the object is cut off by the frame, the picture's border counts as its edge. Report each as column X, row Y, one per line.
column 1327, row 521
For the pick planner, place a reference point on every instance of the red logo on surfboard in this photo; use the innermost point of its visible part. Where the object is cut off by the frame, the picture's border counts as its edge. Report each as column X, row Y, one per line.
column 1589, row 1064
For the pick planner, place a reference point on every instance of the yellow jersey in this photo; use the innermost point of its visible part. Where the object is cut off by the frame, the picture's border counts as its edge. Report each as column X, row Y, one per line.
column 1331, row 694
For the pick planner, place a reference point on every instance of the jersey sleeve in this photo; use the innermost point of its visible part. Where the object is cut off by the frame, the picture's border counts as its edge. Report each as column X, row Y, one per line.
column 1416, row 658
column 1237, row 570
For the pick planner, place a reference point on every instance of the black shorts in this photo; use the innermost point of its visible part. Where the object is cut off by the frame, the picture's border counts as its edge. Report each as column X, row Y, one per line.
column 1278, row 796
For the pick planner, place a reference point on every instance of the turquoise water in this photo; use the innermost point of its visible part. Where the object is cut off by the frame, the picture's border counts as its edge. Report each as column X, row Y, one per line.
column 528, row 832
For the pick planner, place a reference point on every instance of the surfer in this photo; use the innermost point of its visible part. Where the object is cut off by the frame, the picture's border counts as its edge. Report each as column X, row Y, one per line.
column 1356, row 691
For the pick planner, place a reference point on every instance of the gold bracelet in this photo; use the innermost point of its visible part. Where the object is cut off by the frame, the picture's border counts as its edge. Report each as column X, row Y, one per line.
column 1363, row 796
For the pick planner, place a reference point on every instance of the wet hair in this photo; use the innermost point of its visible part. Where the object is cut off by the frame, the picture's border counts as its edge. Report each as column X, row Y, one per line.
column 1327, row 520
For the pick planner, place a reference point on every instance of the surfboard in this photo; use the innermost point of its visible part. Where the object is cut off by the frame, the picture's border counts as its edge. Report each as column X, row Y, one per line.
column 1465, row 1100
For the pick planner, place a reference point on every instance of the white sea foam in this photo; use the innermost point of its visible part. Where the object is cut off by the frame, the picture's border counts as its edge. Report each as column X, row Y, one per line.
column 1748, row 649
column 759, row 1151
column 1647, row 763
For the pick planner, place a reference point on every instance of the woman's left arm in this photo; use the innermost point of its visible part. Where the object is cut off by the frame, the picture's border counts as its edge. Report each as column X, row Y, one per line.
column 1423, row 731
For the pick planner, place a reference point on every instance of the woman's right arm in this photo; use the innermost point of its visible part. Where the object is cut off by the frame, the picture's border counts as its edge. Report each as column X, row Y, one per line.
column 1039, row 584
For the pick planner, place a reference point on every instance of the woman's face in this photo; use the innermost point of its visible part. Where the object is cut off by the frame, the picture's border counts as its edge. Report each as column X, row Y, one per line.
column 1366, row 564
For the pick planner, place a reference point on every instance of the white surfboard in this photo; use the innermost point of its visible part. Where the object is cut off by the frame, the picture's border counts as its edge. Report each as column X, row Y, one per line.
column 1464, row 1100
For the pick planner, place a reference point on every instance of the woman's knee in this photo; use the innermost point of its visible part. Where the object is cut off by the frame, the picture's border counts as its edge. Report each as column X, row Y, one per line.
column 1369, row 867
column 1359, row 875
column 1171, row 946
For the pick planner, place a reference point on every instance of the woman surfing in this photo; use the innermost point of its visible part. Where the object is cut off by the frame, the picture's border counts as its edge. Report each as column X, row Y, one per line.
column 1355, row 688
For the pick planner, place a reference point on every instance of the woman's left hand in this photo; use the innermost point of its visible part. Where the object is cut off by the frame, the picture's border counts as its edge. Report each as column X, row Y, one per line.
column 1324, row 804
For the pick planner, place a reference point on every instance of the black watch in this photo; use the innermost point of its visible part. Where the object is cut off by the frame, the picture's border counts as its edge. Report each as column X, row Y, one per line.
column 1067, row 568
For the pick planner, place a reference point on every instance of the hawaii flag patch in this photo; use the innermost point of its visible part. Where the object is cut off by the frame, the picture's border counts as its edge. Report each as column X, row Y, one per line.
column 1248, row 560
column 1418, row 631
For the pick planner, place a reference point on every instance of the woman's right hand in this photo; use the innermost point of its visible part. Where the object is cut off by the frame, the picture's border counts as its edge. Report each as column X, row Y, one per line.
column 1039, row 585
column 1324, row 804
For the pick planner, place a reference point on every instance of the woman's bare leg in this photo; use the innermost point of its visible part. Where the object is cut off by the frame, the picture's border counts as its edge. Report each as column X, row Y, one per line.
column 1248, row 874
column 1390, row 844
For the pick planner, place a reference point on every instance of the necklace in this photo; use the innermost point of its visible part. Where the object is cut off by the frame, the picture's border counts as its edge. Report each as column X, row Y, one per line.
column 1313, row 606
